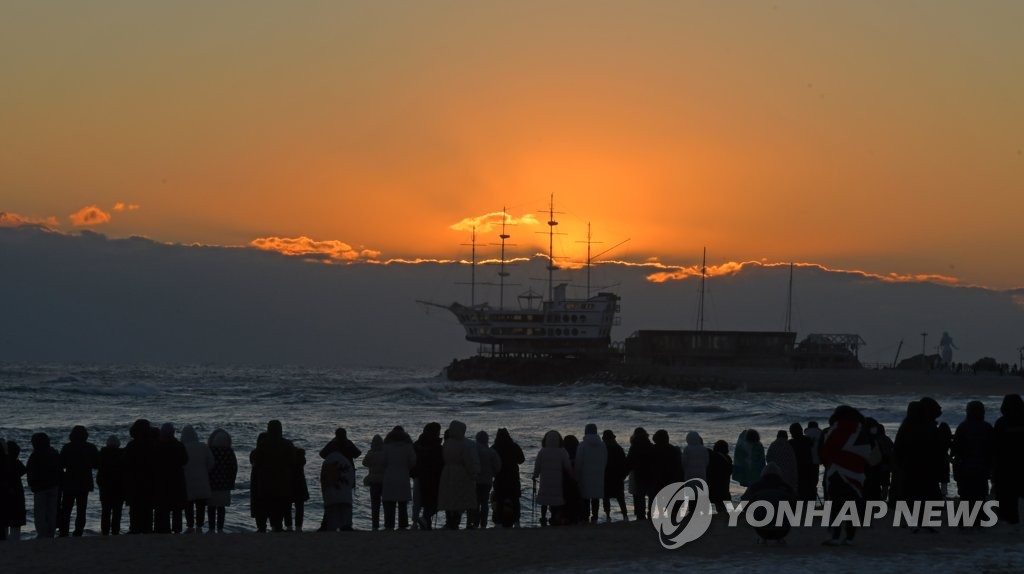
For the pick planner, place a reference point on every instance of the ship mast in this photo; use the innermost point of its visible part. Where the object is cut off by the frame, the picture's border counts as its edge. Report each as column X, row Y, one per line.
column 472, row 269
column 502, row 274
column 789, row 302
column 551, row 248
column 700, row 300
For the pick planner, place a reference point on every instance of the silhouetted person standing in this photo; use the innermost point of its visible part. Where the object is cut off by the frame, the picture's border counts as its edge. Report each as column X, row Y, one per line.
column 806, row 469
column 375, row 463
column 845, row 452
column 197, row 478
column 719, row 474
column 507, row 487
column 43, row 472
column 337, row 476
column 490, row 465
column 16, row 517
column 668, row 461
column 78, row 458
column 458, row 477
column 551, row 467
column 222, row 476
column 273, row 464
column 973, row 454
column 299, row 492
column 399, row 461
column 591, row 461
column 782, row 455
column 110, row 478
column 640, row 460
column 429, row 463
column 615, row 473
column 919, row 453
column 170, row 492
column 1008, row 474
column 140, row 480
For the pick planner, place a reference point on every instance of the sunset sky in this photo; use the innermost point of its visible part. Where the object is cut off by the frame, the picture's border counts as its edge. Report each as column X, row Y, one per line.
column 879, row 136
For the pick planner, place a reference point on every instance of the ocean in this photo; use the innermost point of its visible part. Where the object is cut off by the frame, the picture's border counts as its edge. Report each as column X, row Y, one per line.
column 311, row 403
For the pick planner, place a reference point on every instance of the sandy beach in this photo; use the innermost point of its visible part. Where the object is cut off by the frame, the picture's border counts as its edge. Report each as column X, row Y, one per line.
column 601, row 547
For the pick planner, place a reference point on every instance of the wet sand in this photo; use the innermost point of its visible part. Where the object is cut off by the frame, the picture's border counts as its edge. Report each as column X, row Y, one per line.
column 561, row 549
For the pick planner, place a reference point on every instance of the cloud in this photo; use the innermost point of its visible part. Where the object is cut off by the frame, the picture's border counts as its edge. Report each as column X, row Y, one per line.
column 122, row 206
column 679, row 273
column 90, row 215
column 327, row 251
column 491, row 221
column 10, row 219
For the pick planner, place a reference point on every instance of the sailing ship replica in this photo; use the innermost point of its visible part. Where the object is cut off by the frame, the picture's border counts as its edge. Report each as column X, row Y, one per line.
column 557, row 326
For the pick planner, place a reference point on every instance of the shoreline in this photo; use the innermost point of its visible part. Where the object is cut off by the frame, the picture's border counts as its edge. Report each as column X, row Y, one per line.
column 569, row 548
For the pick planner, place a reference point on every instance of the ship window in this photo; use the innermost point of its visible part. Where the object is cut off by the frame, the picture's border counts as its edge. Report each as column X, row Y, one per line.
column 558, row 332
column 565, row 318
column 575, row 331
column 574, row 318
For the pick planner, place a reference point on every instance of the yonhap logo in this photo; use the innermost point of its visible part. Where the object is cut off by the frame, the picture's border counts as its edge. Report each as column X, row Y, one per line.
column 681, row 512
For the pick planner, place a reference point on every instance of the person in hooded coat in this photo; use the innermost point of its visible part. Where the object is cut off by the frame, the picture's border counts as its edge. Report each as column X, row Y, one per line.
column 507, row 487
column 719, row 473
column 615, row 473
column 170, row 490
column 43, row 474
column 806, row 469
column 695, row 457
column 973, row 454
column 1008, row 458
column 772, row 488
column 299, row 492
column 668, row 461
column 749, row 458
column 78, row 458
column 16, row 515
column 15, row 505
column 399, row 461
column 197, row 478
column 222, row 477
column 641, row 466
column 782, row 455
column 337, row 477
column 110, row 478
column 140, row 481
column 919, row 454
column 457, row 492
column 376, row 463
column 490, row 465
column 429, row 463
column 591, row 462
column 551, row 466
column 572, row 510
column 273, row 463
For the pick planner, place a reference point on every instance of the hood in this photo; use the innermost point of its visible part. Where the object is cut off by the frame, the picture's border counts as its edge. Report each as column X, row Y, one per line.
column 274, row 429
column 397, row 434
column 693, row 439
column 377, row 443
column 188, row 435
column 591, row 428
column 78, row 434
column 482, row 438
column 40, row 441
column 552, row 439
column 219, row 438
column 457, row 430
column 113, row 441
column 167, row 431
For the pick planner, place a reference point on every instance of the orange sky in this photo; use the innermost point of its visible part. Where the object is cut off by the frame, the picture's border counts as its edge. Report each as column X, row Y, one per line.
column 865, row 135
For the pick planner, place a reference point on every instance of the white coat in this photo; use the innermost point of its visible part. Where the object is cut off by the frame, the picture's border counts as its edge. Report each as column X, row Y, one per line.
column 591, row 459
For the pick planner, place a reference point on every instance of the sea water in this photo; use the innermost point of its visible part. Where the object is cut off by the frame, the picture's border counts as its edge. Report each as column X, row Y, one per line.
column 311, row 403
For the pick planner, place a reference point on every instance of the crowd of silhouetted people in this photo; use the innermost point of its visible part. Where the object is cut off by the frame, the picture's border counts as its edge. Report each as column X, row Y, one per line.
column 175, row 484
